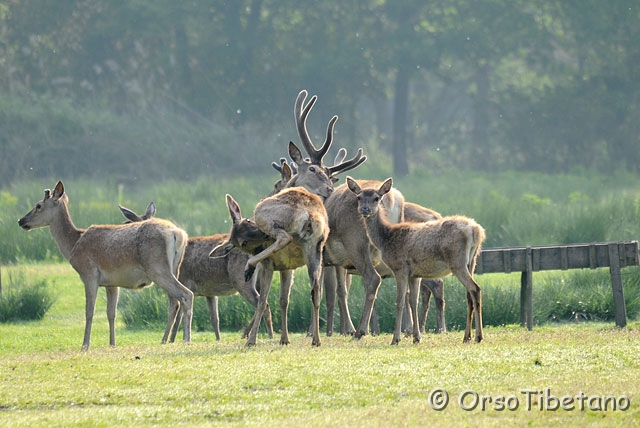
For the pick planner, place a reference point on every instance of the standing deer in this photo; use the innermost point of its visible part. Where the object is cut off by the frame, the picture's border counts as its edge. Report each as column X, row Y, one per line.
column 423, row 250
column 412, row 213
column 127, row 255
column 292, row 216
column 208, row 277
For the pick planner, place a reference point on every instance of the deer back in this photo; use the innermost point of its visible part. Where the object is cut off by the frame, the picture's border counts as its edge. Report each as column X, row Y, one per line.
column 296, row 210
column 123, row 253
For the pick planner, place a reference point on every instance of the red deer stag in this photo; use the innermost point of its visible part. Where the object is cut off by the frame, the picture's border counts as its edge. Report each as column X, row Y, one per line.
column 423, row 250
column 126, row 255
column 286, row 254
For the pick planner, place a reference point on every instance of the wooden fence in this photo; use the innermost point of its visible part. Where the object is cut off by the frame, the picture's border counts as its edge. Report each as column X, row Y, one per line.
column 614, row 255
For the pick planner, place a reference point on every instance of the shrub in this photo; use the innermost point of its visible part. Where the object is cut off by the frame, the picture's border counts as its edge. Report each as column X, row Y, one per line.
column 25, row 302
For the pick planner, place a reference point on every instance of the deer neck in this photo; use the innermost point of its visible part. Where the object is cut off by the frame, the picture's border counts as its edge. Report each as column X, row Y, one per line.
column 378, row 229
column 64, row 232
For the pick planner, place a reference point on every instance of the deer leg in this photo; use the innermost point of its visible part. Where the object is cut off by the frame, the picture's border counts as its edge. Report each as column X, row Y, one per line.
column 474, row 304
column 286, row 282
column 251, row 292
column 414, row 287
column 112, row 305
column 174, row 317
column 407, row 316
column 342, row 290
column 374, row 322
column 372, row 281
column 401, row 294
column 437, row 289
column 182, row 294
column 212, row 303
column 313, row 258
column 91, row 294
column 282, row 239
column 330, row 281
column 425, row 297
column 265, row 285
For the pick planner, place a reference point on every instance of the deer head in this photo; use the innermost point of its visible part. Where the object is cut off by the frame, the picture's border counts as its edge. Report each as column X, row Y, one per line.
column 44, row 211
column 245, row 234
column 369, row 199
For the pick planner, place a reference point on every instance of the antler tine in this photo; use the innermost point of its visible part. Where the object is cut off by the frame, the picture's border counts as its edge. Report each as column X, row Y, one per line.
column 278, row 166
column 352, row 163
column 301, row 112
column 342, row 154
column 327, row 142
column 301, row 120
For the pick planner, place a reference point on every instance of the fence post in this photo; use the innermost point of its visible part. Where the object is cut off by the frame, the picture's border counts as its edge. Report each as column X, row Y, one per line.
column 526, row 293
column 616, row 284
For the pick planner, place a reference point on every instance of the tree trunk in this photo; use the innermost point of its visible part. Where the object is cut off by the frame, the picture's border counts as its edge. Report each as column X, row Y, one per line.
column 400, row 109
column 480, row 150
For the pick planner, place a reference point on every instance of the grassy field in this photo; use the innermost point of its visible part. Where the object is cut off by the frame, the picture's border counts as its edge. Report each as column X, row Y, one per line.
column 48, row 381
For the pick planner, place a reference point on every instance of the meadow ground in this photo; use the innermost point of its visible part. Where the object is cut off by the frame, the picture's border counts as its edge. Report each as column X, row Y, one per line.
column 515, row 377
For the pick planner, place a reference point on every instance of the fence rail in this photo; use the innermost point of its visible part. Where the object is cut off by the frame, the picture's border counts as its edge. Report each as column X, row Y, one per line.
column 614, row 255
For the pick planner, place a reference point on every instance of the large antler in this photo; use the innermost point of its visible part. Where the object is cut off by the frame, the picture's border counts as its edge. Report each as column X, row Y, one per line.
column 301, row 112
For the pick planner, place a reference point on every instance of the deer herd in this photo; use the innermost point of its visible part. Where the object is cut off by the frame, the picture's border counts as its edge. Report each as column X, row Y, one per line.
column 361, row 227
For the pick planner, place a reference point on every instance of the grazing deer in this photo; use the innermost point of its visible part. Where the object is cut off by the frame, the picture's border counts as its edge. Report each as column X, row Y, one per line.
column 126, row 255
column 423, row 250
column 208, row 277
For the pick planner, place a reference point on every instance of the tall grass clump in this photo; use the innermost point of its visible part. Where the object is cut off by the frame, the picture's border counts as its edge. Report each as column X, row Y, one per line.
column 577, row 295
column 24, row 301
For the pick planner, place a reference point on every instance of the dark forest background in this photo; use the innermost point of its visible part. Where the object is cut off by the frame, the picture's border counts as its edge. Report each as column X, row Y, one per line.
column 159, row 89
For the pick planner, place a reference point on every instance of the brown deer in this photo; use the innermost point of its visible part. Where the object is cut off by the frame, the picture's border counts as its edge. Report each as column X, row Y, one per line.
column 423, row 250
column 208, row 277
column 292, row 216
column 412, row 213
column 126, row 255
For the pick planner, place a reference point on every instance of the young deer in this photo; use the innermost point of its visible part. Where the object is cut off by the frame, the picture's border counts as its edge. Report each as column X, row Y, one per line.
column 208, row 277
column 127, row 255
column 293, row 216
column 423, row 250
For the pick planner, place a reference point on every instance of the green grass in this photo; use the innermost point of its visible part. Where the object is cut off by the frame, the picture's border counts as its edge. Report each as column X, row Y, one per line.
column 515, row 209
column 48, row 381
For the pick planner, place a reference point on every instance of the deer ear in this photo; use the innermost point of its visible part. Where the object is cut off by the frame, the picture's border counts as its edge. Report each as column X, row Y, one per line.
column 129, row 215
column 286, row 171
column 385, row 187
column 59, row 190
column 151, row 210
column 234, row 209
column 295, row 154
column 353, row 186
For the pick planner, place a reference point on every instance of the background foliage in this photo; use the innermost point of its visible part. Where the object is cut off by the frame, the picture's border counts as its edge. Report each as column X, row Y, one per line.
column 150, row 89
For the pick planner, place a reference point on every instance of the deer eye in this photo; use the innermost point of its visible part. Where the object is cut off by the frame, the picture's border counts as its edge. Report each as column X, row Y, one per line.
column 312, row 168
column 376, row 199
column 38, row 206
